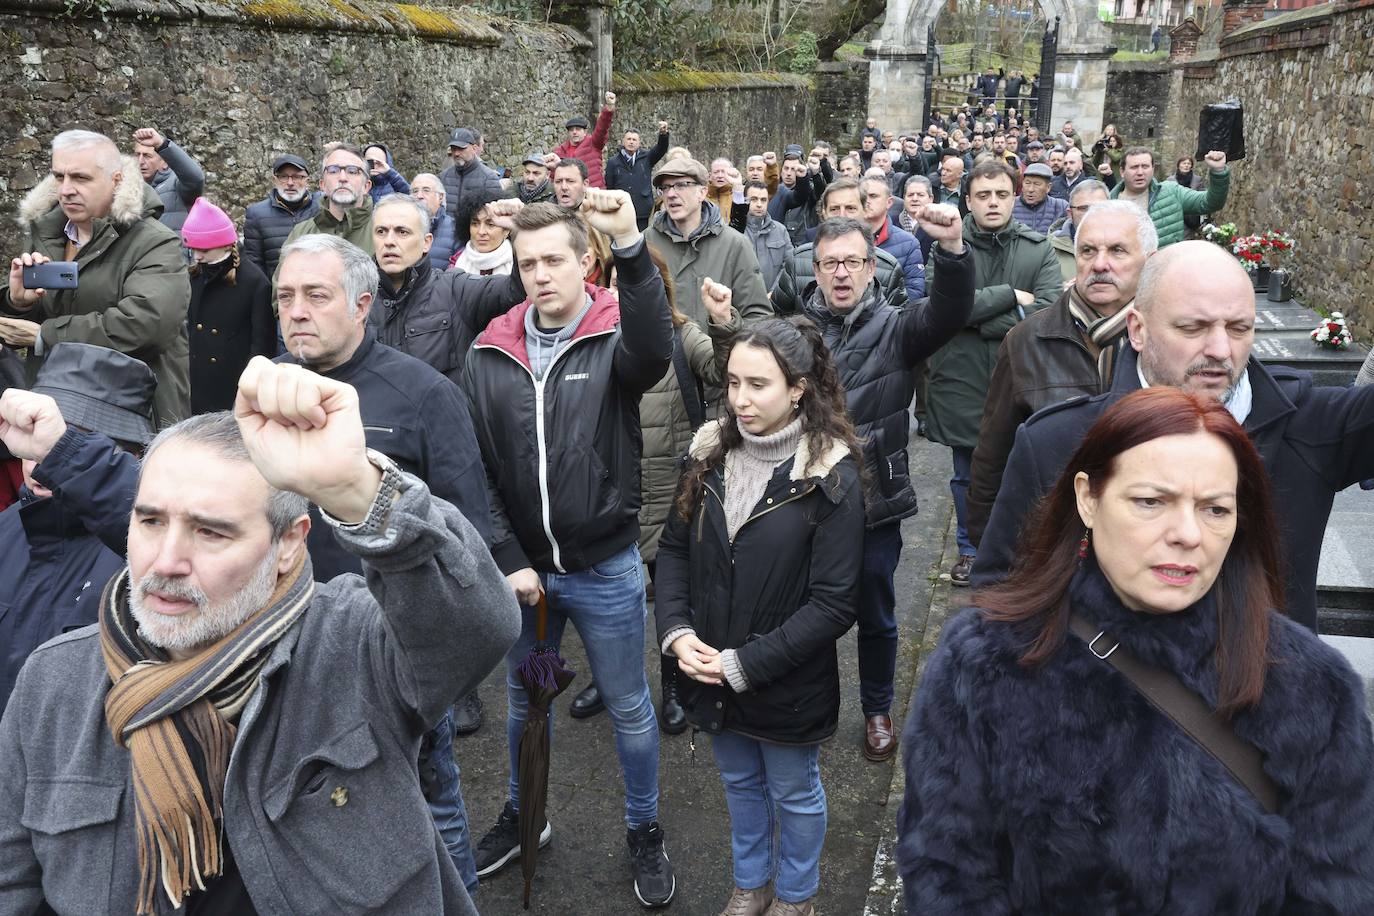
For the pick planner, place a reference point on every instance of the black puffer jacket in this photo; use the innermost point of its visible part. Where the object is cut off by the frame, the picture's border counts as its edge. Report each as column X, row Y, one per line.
column 875, row 349
column 267, row 223
column 797, row 280
column 438, row 314
column 562, row 455
column 474, row 178
column 780, row 595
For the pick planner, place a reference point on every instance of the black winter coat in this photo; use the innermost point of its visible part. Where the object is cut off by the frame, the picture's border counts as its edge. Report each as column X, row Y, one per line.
column 438, row 314
column 562, row 454
column 780, row 595
column 418, row 419
column 267, row 223
column 227, row 326
column 634, row 176
column 1314, row 441
column 875, row 353
column 797, row 280
column 474, row 178
column 53, row 567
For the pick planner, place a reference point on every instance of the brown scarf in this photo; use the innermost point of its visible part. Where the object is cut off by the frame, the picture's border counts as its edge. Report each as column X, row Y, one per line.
column 176, row 718
column 1105, row 335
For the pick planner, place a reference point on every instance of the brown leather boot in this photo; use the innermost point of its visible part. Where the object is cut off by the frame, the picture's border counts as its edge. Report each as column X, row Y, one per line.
column 749, row 903
column 783, row 908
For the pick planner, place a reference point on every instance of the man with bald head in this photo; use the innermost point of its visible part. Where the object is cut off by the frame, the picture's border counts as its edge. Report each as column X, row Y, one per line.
column 1066, row 350
column 1192, row 325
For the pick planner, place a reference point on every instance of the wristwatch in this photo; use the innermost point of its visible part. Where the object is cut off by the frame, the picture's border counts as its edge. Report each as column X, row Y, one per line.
column 392, row 483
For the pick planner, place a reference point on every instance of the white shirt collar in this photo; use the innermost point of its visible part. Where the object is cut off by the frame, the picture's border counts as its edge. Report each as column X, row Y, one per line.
column 1238, row 404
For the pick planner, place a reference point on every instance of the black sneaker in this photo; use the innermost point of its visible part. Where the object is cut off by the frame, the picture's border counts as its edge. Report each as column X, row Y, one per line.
column 467, row 714
column 501, row 845
column 654, row 881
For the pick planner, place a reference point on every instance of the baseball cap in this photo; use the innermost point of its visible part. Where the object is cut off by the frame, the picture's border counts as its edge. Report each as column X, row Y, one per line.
column 463, row 137
column 282, row 162
column 533, row 157
column 794, row 149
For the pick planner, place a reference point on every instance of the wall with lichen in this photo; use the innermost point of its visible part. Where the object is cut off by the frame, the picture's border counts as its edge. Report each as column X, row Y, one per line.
column 718, row 114
column 238, row 82
column 1306, row 79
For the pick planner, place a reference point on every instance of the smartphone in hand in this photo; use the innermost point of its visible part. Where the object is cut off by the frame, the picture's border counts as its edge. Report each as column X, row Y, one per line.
column 51, row 275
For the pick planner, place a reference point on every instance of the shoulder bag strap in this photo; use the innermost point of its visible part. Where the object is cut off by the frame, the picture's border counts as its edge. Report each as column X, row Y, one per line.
column 1190, row 712
column 692, row 397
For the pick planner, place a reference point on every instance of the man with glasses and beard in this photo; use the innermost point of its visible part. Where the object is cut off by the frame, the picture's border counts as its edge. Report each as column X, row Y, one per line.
column 267, row 223
column 346, row 210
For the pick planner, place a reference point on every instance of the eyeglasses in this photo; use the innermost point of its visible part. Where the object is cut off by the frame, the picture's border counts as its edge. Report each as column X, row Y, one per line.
column 678, row 186
column 851, row 264
column 354, row 170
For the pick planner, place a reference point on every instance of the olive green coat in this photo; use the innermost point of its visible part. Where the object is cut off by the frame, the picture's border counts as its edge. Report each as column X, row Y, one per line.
column 355, row 227
column 1003, row 262
column 132, row 289
column 667, row 429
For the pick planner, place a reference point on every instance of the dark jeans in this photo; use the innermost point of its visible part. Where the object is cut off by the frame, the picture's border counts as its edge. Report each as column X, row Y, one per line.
column 958, row 486
column 439, row 781
column 878, row 619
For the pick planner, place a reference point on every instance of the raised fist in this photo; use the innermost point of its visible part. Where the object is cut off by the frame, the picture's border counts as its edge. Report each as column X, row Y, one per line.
column 149, row 136
column 610, row 100
column 503, row 211
column 613, row 214
column 1216, row 160
column 717, row 297
column 663, row 127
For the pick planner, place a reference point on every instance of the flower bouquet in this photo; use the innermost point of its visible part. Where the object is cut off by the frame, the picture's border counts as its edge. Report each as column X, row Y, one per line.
column 1332, row 333
column 1222, row 235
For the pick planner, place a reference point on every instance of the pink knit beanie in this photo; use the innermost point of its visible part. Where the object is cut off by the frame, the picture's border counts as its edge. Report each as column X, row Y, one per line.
column 207, row 226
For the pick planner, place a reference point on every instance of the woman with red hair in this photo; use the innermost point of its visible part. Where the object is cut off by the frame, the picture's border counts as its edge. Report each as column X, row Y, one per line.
column 1040, row 780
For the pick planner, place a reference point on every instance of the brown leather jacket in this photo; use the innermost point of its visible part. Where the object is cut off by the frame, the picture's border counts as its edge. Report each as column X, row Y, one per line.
column 1042, row 361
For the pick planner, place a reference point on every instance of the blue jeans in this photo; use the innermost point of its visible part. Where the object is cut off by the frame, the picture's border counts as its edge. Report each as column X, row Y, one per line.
column 439, row 780
column 606, row 604
column 773, row 788
column 878, row 618
column 958, row 485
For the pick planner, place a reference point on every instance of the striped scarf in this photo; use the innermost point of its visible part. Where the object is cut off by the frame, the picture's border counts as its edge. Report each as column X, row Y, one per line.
column 1106, row 335
column 176, row 718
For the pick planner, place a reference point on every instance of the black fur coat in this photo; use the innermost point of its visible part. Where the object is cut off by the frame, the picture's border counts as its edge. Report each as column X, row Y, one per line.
column 1060, row 790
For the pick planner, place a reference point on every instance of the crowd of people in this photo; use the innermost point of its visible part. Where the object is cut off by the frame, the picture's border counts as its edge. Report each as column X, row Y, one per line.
column 390, row 433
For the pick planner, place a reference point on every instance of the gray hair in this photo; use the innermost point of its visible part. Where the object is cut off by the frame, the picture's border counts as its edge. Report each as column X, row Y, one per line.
column 1083, row 187
column 405, row 200
column 110, row 158
column 359, row 270
column 752, row 159
column 1145, row 233
column 220, row 433
column 727, row 162
column 873, row 180
column 443, row 194
column 838, row 227
column 919, row 179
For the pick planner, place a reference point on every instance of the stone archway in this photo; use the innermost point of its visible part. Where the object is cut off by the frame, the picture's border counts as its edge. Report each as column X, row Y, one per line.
column 896, row 76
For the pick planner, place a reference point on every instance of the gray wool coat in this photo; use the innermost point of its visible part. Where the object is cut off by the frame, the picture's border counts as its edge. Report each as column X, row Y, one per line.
column 341, row 705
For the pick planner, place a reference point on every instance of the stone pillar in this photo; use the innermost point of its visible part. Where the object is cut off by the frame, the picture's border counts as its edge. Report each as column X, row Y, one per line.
column 1183, row 40
column 896, row 87
column 592, row 18
column 1080, row 90
column 1236, row 13
column 841, row 101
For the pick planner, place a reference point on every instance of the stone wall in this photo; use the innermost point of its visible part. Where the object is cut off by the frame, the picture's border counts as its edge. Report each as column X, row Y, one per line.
column 842, row 102
column 1137, row 93
column 718, row 114
column 1307, row 82
column 238, row 82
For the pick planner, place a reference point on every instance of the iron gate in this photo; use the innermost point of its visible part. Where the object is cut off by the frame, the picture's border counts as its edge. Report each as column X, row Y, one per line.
column 1044, row 101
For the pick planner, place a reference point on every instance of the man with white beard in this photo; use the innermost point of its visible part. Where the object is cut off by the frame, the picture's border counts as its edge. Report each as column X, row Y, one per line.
column 236, row 737
column 267, row 223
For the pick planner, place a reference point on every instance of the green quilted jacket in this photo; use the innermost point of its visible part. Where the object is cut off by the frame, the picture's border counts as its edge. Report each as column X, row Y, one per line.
column 1169, row 201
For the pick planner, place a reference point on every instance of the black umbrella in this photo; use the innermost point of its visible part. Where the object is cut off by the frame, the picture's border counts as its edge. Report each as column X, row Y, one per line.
column 544, row 675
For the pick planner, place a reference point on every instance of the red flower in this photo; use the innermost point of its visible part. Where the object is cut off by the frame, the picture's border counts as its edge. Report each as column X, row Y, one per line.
column 1333, row 327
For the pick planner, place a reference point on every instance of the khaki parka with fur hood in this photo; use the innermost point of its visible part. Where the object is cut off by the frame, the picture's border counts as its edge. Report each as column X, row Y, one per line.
column 132, row 290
